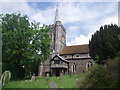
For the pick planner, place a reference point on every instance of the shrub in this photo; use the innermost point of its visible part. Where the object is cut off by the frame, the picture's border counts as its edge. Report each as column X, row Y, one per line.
column 95, row 78
column 70, row 73
column 102, row 76
column 112, row 68
column 5, row 78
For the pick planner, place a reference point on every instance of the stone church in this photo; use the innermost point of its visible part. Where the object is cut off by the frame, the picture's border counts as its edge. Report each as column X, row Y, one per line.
column 64, row 59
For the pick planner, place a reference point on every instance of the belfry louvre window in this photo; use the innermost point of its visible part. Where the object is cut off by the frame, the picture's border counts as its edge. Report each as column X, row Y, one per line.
column 57, row 62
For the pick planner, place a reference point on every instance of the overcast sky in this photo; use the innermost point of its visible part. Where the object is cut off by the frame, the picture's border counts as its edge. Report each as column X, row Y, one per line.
column 81, row 19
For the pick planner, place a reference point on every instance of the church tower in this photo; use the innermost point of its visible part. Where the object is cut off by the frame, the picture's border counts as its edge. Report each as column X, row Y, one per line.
column 58, row 35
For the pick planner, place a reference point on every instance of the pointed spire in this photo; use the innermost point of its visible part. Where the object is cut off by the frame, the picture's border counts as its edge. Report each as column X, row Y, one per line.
column 56, row 15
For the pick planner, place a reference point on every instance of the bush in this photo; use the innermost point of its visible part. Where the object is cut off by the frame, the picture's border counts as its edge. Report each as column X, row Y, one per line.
column 95, row 78
column 5, row 78
column 102, row 76
column 70, row 73
column 112, row 68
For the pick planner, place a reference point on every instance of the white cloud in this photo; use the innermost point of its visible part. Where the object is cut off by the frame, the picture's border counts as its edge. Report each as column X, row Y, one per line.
column 44, row 16
column 78, row 16
column 10, row 7
column 110, row 20
column 81, row 39
column 75, row 27
column 83, row 12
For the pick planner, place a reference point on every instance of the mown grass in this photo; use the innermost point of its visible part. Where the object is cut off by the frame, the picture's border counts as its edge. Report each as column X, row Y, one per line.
column 41, row 82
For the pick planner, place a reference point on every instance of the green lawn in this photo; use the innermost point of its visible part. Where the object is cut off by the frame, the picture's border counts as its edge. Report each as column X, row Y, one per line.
column 41, row 82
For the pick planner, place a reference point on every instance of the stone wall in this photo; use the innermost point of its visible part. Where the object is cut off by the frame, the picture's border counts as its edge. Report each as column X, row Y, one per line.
column 80, row 65
column 60, row 37
column 85, row 55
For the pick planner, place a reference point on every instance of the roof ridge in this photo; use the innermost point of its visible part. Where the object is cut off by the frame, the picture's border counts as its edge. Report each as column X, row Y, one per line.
column 77, row 45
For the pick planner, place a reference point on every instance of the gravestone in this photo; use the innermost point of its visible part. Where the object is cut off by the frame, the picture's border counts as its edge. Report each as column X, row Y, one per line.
column 33, row 78
column 47, row 79
column 60, row 77
column 52, row 85
column 47, row 75
column 61, row 74
column 77, row 80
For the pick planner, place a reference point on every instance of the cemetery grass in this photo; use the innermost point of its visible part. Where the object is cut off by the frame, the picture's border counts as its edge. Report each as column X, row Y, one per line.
column 40, row 82
column 65, row 82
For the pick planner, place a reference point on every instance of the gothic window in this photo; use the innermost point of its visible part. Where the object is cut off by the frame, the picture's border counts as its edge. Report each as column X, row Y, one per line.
column 89, row 65
column 74, row 67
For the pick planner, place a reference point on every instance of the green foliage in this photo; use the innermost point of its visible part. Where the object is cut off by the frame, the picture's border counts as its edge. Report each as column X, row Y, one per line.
column 70, row 73
column 5, row 78
column 24, row 45
column 102, row 76
column 112, row 68
column 96, row 78
column 97, row 58
column 119, row 36
column 105, row 43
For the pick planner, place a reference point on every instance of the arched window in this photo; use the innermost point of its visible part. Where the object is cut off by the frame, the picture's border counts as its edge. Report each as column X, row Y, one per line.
column 74, row 67
column 89, row 65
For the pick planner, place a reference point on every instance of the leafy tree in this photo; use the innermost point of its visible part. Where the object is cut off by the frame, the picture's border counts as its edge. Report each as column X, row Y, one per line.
column 105, row 43
column 23, row 45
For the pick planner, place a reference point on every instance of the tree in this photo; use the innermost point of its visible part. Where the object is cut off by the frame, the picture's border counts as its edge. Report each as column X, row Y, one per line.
column 105, row 43
column 23, row 44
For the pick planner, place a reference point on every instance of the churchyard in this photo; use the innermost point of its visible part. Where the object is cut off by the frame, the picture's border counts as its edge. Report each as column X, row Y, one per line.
column 65, row 81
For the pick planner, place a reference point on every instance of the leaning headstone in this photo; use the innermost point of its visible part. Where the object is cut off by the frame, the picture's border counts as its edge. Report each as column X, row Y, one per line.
column 33, row 78
column 60, row 77
column 47, row 79
column 5, row 78
column 77, row 80
column 48, row 75
column 52, row 85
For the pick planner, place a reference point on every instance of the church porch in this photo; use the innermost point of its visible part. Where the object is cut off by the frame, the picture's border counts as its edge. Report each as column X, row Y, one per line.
column 58, row 71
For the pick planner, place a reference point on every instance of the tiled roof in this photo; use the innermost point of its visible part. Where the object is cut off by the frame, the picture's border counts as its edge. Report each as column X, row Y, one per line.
column 75, row 49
